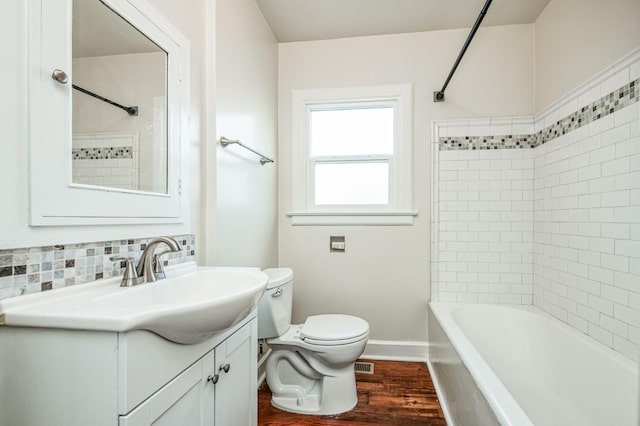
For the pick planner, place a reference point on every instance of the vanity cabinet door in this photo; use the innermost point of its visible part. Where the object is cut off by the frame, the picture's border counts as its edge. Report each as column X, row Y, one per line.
column 236, row 393
column 187, row 400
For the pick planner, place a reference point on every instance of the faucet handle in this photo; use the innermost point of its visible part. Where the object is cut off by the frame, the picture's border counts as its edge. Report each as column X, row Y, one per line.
column 158, row 267
column 130, row 276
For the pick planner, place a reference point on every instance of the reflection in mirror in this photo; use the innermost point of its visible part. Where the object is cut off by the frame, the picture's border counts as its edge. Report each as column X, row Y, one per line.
column 116, row 67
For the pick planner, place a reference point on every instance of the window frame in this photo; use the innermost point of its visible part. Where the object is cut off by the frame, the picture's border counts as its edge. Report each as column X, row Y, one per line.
column 399, row 209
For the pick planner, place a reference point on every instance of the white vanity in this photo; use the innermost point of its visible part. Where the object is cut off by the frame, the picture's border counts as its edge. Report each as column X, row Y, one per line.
column 84, row 355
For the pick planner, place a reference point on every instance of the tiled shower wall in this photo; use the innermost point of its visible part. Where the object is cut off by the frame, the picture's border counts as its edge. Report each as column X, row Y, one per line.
column 587, row 229
column 35, row 269
column 106, row 159
column 582, row 263
column 486, row 226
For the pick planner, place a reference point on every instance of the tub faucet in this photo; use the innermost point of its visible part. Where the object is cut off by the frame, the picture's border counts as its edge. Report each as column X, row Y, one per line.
column 145, row 266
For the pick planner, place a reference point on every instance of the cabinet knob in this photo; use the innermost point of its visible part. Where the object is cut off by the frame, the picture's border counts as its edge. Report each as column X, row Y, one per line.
column 213, row 378
column 225, row 368
column 60, row 76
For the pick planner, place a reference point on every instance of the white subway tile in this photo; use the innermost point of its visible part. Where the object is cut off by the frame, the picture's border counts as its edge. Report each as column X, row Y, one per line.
column 627, row 114
column 500, row 164
column 605, row 184
column 628, row 315
column 468, row 175
column 599, row 126
column 589, row 172
column 615, row 230
column 603, row 245
column 615, row 135
column 589, row 201
column 627, row 281
column 629, row 248
column 614, row 167
column 615, row 294
column 617, row 199
column 589, row 144
column 628, row 147
column 605, row 214
column 627, row 181
column 615, row 82
column 625, row 347
column 601, row 155
column 589, row 96
column 460, row 129
column 577, row 322
column 506, row 298
column 615, row 262
column 488, row 175
column 601, row 275
column 603, row 336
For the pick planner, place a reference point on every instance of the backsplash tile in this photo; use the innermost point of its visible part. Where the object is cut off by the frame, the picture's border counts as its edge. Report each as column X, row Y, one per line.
column 35, row 269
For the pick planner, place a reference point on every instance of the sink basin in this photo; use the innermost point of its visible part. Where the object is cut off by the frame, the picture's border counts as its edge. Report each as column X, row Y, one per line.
column 188, row 308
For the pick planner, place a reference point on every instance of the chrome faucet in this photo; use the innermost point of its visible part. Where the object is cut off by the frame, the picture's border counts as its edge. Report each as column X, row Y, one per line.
column 147, row 263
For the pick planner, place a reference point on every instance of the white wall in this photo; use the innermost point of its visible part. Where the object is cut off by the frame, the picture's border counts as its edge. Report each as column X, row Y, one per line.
column 189, row 18
column 575, row 39
column 384, row 274
column 246, row 194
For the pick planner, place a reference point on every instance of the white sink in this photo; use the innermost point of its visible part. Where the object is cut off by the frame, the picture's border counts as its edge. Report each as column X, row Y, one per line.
column 188, row 308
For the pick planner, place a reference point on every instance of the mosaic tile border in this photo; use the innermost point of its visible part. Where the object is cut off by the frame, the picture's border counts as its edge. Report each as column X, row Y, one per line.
column 103, row 153
column 608, row 104
column 35, row 269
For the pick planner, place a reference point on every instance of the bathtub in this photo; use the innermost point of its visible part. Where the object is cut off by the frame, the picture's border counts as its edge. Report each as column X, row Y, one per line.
column 516, row 365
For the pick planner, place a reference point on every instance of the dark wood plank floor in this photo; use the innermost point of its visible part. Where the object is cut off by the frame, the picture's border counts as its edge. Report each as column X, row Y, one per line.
column 397, row 394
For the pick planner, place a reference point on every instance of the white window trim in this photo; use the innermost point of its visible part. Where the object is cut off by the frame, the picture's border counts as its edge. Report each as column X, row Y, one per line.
column 399, row 211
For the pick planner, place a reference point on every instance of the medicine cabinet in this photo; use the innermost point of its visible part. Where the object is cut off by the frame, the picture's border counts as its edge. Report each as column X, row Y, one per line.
column 107, row 106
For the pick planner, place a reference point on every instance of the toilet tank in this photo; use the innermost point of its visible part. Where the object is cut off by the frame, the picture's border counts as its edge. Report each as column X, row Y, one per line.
column 274, row 309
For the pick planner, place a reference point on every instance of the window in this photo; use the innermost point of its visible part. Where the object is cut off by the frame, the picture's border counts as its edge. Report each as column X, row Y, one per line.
column 352, row 156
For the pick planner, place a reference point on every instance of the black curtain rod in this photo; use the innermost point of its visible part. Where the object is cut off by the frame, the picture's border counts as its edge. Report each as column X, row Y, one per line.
column 132, row 110
column 439, row 95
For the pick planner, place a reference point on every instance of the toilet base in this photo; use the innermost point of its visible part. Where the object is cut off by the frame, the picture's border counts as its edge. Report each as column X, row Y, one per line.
column 330, row 395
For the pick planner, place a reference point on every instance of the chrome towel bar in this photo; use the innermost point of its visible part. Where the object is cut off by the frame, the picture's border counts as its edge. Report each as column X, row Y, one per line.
column 225, row 141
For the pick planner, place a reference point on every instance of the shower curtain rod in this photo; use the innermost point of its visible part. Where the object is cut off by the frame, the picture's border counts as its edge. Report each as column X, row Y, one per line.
column 132, row 110
column 438, row 96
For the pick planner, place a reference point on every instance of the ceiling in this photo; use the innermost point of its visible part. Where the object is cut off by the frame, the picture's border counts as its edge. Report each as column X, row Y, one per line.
column 303, row 20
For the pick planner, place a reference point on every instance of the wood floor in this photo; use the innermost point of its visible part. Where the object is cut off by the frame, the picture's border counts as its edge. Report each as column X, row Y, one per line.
column 397, row 394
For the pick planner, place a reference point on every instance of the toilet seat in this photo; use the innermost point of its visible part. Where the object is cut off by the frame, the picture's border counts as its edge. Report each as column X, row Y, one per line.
column 333, row 329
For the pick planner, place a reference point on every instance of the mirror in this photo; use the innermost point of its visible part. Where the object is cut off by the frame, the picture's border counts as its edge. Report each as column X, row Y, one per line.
column 127, row 52
column 119, row 103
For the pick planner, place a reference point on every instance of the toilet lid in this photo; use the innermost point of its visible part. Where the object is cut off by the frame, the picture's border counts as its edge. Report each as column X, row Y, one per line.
column 332, row 328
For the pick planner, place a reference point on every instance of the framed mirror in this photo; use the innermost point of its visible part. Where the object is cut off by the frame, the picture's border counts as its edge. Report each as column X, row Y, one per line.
column 107, row 108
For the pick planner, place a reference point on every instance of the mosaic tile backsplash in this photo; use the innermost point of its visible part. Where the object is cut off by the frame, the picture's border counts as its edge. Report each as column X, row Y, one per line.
column 35, row 269
column 614, row 101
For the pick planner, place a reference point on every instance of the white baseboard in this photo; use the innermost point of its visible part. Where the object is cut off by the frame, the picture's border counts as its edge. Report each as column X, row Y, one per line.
column 396, row 350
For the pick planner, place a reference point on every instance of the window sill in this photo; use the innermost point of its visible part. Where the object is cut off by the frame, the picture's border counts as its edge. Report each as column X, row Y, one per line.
column 358, row 219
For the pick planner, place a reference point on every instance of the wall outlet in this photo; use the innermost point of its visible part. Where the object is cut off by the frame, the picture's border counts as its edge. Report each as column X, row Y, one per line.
column 337, row 244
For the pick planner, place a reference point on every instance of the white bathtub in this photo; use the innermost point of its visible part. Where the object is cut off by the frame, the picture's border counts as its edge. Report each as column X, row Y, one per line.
column 515, row 365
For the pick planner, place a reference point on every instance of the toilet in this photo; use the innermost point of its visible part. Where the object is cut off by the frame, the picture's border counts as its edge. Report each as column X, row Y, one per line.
column 310, row 369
